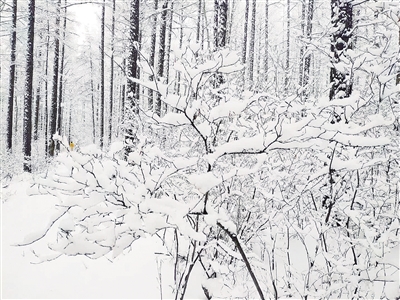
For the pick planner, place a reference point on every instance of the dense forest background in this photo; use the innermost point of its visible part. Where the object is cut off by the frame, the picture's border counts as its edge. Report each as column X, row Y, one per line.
column 259, row 140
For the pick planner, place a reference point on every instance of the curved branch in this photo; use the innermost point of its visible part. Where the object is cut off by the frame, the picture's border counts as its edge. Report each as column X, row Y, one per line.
column 235, row 240
column 45, row 232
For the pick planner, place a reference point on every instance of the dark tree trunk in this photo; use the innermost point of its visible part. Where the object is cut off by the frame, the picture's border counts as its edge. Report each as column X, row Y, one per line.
column 46, row 93
column 341, row 41
column 122, row 102
column 302, row 48
column 11, row 90
column 307, row 59
column 111, row 73
column 152, row 53
column 398, row 72
column 27, row 123
column 287, row 60
column 266, row 52
column 70, row 123
column 92, row 92
column 252, row 44
column 216, row 23
column 246, row 23
column 178, row 73
column 161, row 53
column 131, row 107
column 133, row 55
column 36, row 114
column 220, row 23
column 53, row 106
column 123, row 94
column 168, row 42
column 102, row 100
column 198, row 26
column 168, row 48
column 61, row 78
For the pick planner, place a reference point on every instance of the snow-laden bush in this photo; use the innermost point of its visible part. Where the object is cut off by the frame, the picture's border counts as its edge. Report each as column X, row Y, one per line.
column 247, row 186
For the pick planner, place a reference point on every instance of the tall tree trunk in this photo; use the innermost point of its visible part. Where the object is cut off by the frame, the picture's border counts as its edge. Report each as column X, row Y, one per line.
column 123, row 93
column 252, row 44
column 220, row 20
column 220, row 26
column 53, row 106
column 398, row 72
column 198, row 25
column 102, row 100
column 178, row 73
column 161, row 52
column 216, row 23
column 206, row 27
column 38, row 95
column 27, row 123
column 111, row 73
column 131, row 107
column 307, row 59
column 61, row 77
column 36, row 114
column 266, row 44
column 168, row 48
column 70, row 121
column 232, row 9
column 11, row 89
column 168, row 42
column 258, row 58
column 287, row 60
column 302, row 48
column 92, row 92
column 46, row 92
column 152, row 53
column 341, row 41
column 244, row 45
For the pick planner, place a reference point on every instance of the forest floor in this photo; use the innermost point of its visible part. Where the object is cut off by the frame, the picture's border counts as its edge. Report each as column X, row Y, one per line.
column 132, row 275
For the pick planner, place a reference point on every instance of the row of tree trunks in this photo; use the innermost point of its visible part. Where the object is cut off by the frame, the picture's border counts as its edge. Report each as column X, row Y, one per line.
column 341, row 86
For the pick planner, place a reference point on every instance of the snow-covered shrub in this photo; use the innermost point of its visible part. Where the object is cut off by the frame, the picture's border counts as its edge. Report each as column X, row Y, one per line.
column 247, row 186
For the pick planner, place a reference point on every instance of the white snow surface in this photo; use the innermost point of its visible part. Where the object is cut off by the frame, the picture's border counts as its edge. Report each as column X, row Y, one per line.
column 133, row 274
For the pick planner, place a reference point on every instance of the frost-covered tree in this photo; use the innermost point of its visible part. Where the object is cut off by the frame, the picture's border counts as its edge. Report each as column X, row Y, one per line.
column 341, row 42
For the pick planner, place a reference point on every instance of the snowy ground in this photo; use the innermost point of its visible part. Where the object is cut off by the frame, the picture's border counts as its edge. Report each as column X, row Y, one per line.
column 133, row 275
